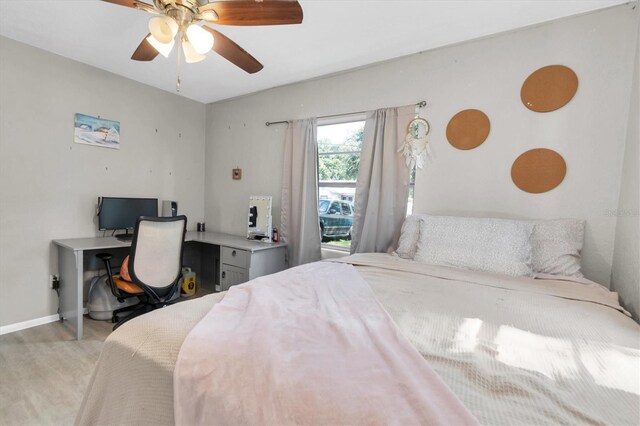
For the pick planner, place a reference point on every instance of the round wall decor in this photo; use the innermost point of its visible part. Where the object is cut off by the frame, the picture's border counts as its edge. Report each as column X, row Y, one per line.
column 538, row 170
column 468, row 129
column 549, row 88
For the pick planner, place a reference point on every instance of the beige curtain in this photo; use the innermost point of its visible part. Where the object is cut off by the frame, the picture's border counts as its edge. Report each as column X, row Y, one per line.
column 382, row 189
column 300, row 223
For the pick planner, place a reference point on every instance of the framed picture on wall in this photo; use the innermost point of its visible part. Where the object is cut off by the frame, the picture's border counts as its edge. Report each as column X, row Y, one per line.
column 96, row 131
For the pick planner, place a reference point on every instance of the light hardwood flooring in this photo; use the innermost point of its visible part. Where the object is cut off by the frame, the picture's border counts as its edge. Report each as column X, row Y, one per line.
column 44, row 372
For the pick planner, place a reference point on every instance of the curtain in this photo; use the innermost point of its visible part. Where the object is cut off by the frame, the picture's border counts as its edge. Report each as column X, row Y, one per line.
column 382, row 189
column 300, row 223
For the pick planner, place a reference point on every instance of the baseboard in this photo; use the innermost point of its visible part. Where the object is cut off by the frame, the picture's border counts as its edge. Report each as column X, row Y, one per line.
column 6, row 329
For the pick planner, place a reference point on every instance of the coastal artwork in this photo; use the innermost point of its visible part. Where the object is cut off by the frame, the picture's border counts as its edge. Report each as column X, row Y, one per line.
column 97, row 131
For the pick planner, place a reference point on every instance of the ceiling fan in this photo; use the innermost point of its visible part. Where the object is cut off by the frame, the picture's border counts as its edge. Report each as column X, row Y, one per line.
column 178, row 20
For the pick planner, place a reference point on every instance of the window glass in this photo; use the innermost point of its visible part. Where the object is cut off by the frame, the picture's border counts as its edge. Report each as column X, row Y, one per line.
column 412, row 185
column 339, row 148
column 323, row 206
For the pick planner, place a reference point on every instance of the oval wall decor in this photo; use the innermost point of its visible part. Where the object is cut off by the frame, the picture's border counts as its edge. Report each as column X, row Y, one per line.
column 538, row 170
column 549, row 88
column 468, row 129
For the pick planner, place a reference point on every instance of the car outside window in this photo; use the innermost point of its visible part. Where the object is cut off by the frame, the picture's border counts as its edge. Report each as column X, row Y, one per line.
column 323, row 206
column 335, row 208
column 345, row 209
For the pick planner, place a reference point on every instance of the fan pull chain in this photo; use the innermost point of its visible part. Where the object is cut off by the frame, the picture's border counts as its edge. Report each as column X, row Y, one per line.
column 178, row 79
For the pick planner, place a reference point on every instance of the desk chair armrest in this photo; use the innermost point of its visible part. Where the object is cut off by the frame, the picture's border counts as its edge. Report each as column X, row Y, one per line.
column 106, row 258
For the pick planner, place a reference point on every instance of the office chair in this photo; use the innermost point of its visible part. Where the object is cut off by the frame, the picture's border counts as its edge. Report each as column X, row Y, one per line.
column 155, row 266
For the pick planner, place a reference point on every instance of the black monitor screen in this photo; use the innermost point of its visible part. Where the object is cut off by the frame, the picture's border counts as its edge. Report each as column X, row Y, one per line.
column 122, row 213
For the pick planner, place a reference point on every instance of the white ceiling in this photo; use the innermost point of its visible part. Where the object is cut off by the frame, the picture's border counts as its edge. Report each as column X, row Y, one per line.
column 336, row 35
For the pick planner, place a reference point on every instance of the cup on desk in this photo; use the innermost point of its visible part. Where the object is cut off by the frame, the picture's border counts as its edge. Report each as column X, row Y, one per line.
column 200, row 227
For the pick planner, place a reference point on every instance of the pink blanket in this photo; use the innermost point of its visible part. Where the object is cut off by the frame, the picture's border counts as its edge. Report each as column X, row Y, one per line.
column 310, row 345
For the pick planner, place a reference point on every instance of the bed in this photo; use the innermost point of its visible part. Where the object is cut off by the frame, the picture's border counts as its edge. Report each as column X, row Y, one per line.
column 514, row 350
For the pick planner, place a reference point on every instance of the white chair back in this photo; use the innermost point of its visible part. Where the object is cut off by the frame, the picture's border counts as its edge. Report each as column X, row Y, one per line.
column 156, row 258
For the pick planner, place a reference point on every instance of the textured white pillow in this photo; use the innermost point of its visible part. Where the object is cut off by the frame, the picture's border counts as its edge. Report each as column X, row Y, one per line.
column 556, row 247
column 409, row 236
column 492, row 245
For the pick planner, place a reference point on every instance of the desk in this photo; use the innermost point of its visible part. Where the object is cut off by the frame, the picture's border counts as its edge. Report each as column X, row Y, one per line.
column 233, row 260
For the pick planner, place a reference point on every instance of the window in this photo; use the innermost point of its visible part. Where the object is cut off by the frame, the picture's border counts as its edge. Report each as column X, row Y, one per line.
column 339, row 146
column 412, row 186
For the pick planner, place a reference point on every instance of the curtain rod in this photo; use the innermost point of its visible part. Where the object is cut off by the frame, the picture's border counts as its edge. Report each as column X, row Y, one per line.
column 420, row 104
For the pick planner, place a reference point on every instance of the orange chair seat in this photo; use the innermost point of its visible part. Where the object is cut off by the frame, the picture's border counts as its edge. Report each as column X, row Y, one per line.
column 126, row 286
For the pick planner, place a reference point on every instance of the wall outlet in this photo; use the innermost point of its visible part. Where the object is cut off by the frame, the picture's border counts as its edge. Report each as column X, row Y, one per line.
column 54, row 281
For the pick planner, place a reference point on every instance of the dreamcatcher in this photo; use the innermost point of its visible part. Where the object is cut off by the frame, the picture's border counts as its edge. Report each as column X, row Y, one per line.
column 416, row 146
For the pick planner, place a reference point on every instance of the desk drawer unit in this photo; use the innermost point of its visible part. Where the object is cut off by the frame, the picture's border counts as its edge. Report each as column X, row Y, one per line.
column 239, row 266
column 232, row 275
column 235, row 257
column 234, row 267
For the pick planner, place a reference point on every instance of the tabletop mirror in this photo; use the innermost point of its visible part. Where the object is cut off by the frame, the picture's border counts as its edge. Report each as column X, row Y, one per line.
column 259, row 225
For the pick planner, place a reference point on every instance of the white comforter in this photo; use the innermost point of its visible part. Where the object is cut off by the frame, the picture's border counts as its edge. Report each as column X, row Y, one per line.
column 514, row 350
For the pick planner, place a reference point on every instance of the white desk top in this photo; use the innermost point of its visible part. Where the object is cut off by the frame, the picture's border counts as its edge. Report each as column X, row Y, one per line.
column 216, row 238
column 232, row 241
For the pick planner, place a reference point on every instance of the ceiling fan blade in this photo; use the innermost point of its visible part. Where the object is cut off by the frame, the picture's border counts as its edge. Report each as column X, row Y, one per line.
column 135, row 4
column 250, row 12
column 235, row 54
column 145, row 51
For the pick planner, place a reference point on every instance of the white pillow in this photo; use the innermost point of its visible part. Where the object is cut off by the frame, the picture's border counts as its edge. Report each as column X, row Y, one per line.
column 492, row 245
column 409, row 236
column 556, row 244
column 556, row 247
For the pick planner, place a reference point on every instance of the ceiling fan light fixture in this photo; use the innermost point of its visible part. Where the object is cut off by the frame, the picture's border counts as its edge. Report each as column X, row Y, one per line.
column 201, row 39
column 163, row 28
column 209, row 15
column 190, row 54
column 163, row 48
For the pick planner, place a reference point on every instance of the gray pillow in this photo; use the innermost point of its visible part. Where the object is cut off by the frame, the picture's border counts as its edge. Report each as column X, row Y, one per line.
column 556, row 247
column 481, row 244
column 409, row 235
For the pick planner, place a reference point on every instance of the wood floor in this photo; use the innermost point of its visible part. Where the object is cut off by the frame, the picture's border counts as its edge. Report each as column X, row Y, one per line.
column 44, row 372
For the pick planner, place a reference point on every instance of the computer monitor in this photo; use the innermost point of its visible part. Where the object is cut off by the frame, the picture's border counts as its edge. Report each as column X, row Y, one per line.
column 121, row 213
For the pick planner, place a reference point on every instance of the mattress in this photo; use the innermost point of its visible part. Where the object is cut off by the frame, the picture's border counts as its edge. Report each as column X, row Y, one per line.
column 514, row 350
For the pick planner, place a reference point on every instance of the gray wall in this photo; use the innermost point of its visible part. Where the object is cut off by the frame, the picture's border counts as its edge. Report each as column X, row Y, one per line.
column 49, row 185
column 625, row 277
column 486, row 74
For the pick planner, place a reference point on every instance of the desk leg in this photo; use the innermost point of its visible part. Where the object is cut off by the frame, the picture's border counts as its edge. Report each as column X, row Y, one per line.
column 71, row 285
